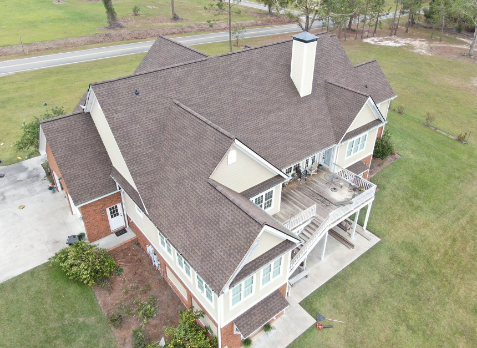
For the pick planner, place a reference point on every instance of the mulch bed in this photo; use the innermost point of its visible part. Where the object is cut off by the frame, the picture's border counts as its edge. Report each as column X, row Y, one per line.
column 378, row 164
column 139, row 280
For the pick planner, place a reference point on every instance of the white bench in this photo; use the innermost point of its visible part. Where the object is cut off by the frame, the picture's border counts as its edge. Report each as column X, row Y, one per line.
column 299, row 276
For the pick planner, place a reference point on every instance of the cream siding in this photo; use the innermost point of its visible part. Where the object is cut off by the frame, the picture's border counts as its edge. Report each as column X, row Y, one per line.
column 259, row 293
column 151, row 232
column 265, row 243
column 241, row 175
column 205, row 320
column 384, row 107
column 344, row 162
column 302, row 66
column 110, row 143
column 365, row 116
column 176, row 283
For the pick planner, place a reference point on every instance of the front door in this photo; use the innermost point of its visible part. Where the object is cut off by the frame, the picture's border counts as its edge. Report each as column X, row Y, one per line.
column 327, row 157
column 115, row 217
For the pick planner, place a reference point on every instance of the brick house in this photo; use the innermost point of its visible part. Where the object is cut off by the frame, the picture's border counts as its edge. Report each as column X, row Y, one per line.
column 229, row 169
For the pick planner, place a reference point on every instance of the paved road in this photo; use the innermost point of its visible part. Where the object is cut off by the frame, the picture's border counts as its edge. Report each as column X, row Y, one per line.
column 48, row 61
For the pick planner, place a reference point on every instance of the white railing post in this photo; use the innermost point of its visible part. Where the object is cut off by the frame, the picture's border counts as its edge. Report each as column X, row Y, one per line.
column 324, row 247
column 355, row 223
column 367, row 215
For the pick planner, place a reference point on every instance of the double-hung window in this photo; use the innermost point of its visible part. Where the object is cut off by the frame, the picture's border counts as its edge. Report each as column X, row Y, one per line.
column 355, row 145
column 183, row 264
column 168, row 247
column 204, row 289
column 165, row 243
column 271, row 271
column 264, row 200
column 163, row 240
column 242, row 290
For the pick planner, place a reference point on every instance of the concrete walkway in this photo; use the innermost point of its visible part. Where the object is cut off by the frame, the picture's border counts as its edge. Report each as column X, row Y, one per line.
column 296, row 320
column 112, row 240
column 29, row 236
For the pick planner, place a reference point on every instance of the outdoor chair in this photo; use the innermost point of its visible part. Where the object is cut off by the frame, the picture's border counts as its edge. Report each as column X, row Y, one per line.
column 313, row 169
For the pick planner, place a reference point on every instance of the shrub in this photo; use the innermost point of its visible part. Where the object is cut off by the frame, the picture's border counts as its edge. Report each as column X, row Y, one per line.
column 136, row 10
column 384, row 147
column 400, row 109
column 30, row 130
column 146, row 309
column 140, row 338
column 84, row 262
column 118, row 271
column 430, row 117
column 461, row 137
column 188, row 333
column 267, row 327
column 153, row 344
column 115, row 320
column 247, row 342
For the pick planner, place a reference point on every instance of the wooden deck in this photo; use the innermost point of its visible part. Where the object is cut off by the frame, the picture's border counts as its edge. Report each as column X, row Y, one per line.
column 327, row 190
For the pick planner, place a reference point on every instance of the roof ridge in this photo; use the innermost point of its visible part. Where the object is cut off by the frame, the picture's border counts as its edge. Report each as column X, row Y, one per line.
column 347, row 88
column 249, row 48
column 184, row 46
column 203, row 119
column 371, row 61
column 148, row 72
column 62, row 116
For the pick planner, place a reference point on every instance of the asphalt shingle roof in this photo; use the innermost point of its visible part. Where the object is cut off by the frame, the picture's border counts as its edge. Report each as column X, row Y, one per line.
column 261, row 313
column 80, row 155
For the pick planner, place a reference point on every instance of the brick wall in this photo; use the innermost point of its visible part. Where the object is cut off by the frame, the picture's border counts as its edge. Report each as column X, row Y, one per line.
column 54, row 167
column 380, row 132
column 95, row 223
column 229, row 338
column 367, row 160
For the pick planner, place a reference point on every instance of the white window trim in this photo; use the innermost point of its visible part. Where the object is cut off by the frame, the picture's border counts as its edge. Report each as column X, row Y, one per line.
column 263, row 194
column 303, row 161
column 138, row 211
column 184, row 262
column 197, row 276
column 166, row 242
column 354, row 139
column 271, row 272
column 242, row 291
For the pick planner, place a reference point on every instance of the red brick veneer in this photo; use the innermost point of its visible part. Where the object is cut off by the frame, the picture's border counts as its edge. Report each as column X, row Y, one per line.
column 54, row 167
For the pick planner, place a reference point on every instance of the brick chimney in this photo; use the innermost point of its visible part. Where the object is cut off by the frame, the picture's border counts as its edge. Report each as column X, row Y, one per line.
column 303, row 62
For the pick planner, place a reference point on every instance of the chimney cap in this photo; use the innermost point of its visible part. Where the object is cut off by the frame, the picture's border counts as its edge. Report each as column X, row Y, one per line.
column 305, row 36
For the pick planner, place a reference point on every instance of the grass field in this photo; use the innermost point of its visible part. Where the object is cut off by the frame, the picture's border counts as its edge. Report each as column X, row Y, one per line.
column 43, row 308
column 24, row 94
column 42, row 20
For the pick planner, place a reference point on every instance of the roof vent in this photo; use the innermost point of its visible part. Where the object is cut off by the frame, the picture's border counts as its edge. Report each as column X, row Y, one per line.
column 303, row 62
column 136, row 92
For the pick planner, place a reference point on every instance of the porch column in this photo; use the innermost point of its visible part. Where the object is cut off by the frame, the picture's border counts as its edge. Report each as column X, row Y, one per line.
column 355, row 223
column 367, row 215
column 324, row 247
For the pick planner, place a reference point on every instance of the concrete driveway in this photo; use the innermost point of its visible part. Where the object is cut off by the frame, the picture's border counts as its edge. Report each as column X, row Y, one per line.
column 29, row 236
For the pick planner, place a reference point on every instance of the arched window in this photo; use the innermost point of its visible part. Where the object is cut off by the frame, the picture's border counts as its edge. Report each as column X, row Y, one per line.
column 232, row 157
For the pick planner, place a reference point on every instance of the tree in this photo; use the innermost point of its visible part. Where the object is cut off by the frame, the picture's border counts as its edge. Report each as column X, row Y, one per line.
column 468, row 10
column 237, row 33
column 220, row 5
column 269, row 4
column 310, row 11
column 188, row 333
column 84, row 262
column 29, row 139
column 111, row 14
column 174, row 14
column 377, row 9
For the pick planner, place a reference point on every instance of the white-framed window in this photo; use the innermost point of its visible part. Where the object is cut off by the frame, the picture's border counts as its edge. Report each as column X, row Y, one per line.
column 264, row 200
column 138, row 211
column 183, row 264
column 242, row 290
column 168, row 247
column 355, row 145
column 271, row 271
column 204, row 289
column 232, row 157
column 288, row 171
column 162, row 239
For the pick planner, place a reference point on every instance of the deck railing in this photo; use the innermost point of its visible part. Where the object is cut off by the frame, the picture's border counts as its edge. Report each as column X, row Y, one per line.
column 300, row 218
column 336, row 216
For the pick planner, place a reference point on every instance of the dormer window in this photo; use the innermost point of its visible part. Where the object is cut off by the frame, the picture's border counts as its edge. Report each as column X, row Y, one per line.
column 356, row 145
column 232, row 157
column 264, row 200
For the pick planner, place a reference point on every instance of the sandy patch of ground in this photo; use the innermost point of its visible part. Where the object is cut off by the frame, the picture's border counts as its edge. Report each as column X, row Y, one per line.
column 474, row 81
column 417, row 45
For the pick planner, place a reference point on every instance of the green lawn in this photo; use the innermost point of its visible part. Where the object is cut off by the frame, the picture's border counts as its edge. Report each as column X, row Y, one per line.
column 24, row 94
column 416, row 288
column 42, row 20
column 43, row 308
